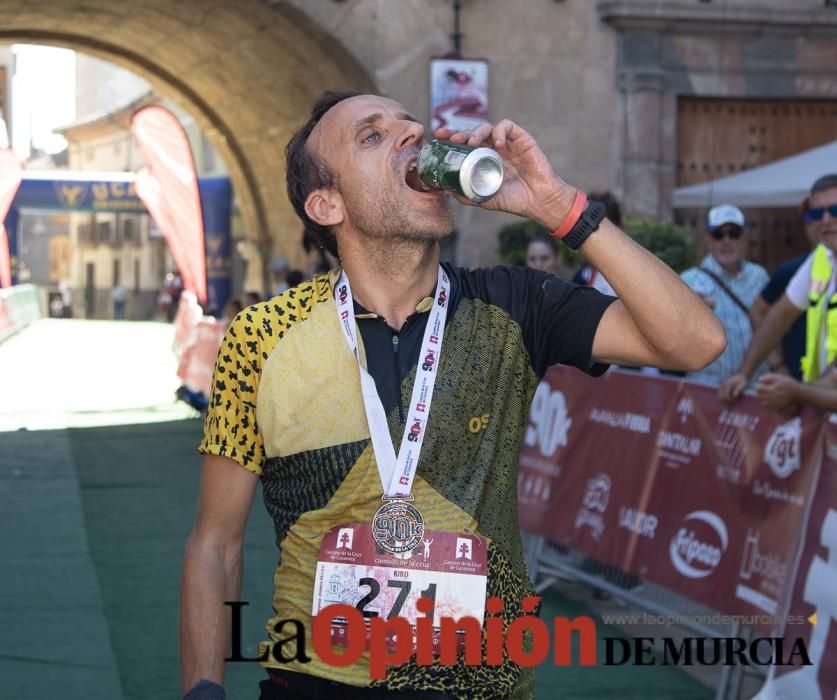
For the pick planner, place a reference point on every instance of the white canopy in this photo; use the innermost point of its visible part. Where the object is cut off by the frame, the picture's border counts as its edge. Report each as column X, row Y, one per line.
column 782, row 183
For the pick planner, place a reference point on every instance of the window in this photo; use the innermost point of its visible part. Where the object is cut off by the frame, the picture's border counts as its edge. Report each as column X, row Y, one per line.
column 105, row 232
column 136, row 275
column 116, row 272
column 87, row 232
column 129, row 227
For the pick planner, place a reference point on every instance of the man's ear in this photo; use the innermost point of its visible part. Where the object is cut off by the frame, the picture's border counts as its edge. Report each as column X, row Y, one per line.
column 325, row 207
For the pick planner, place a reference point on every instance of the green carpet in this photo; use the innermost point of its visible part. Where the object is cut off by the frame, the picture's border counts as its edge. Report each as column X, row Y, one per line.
column 99, row 517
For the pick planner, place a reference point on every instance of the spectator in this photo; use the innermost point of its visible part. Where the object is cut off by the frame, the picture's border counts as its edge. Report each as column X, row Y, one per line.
column 810, row 292
column 542, row 254
column 781, row 392
column 729, row 284
column 251, row 298
column 789, row 359
column 279, row 267
column 119, row 295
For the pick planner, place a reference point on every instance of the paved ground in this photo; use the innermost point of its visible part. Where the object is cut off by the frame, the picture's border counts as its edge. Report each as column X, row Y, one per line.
column 94, row 520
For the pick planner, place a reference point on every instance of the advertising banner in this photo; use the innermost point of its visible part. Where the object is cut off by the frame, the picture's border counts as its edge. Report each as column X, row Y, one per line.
column 458, row 93
column 659, row 478
column 813, row 594
column 168, row 187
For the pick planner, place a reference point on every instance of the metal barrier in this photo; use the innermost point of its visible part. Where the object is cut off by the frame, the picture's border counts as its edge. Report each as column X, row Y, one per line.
column 19, row 306
column 549, row 562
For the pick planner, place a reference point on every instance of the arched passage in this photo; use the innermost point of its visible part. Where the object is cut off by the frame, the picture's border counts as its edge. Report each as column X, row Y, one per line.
column 247, row 71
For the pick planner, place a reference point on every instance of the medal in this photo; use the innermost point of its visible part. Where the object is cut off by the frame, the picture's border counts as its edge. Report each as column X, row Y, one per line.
column 397, row 527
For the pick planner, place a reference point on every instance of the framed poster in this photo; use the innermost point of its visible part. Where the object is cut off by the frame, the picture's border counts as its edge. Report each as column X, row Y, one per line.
column 458, row 93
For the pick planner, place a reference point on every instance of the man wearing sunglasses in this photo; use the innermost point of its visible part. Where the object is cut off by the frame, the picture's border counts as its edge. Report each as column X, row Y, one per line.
column 729, row 284
column 811, row 291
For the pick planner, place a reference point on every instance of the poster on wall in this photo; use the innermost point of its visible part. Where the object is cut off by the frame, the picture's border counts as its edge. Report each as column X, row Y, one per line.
column 458, row 93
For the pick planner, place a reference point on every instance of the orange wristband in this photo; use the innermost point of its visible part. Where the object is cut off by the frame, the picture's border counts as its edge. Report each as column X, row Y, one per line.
column 572, row 218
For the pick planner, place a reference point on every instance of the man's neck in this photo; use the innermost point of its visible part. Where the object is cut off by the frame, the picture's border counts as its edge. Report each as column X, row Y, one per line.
column 733, row 269
column 390, row 279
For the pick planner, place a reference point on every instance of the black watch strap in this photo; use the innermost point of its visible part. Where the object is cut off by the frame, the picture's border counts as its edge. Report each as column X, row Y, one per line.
column 590, row 219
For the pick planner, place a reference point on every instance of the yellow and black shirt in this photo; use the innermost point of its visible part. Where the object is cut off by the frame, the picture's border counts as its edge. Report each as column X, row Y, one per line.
column 286, row 405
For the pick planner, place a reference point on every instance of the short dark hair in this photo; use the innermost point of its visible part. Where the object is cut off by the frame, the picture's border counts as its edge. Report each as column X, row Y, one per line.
column 304, row 172
column 548, row 241
column 826, row 182
column 614, row 211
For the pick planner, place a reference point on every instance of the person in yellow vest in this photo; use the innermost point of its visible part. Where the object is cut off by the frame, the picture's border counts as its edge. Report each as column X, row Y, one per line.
column 811, row 291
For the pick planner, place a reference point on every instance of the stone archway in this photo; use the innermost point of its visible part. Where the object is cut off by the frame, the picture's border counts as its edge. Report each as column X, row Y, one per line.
column 248, row 72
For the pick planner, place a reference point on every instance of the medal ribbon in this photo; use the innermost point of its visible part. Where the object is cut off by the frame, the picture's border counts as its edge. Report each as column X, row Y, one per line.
column 398, row 471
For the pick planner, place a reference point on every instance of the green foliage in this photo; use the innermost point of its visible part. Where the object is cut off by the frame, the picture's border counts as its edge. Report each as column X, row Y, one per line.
column 515, row 238
column 674, row 245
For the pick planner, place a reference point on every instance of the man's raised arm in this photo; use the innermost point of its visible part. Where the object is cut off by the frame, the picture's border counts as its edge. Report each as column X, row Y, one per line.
column 212, row 569
column 658, row 321
column 767, row 336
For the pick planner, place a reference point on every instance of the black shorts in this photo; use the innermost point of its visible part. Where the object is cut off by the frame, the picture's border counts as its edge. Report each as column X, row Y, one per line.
column 286, row 685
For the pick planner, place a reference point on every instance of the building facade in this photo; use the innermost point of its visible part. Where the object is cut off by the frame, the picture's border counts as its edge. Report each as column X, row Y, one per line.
column 633, row 96
column 120, row 254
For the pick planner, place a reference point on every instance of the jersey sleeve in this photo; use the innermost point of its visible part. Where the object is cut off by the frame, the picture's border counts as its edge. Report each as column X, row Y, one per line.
column 797, row 289
column 558, row 319
column 230, row 429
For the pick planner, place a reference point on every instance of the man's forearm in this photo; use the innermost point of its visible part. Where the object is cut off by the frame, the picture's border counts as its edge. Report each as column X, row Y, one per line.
column 765, row 338
column 672, row 319
column 817, row 395
column 210, row 577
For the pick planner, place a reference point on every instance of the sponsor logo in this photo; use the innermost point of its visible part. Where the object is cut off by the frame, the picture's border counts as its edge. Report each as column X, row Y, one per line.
column 415, row 431
column 764, row 489
column 478, row 423
column 698, row 546
column 463, row 548
column 429, row 361
column 753, row 561
column 685, row 409
column 782, row 450
column 443, row 297
column 633, row 422
column 594, row 502
column 531, row 488
column 549, row 421
column 679, row 443
column 342, row 293
column 345, row 536
column 638, row 522
column 734, row 419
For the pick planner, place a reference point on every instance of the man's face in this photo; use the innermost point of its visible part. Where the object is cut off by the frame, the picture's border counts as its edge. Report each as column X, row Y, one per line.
column 825, row 230
column 727, row 245
column 370, row 145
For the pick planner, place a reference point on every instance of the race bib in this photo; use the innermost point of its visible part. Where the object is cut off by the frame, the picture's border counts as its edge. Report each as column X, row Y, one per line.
column 448, row 568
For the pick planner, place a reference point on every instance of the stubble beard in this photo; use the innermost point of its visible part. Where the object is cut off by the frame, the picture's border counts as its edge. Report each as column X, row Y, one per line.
column 386, row 217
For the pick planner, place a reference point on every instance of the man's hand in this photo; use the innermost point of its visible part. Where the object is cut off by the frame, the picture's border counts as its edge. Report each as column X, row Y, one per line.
column 732, row 388
column 777, row 391
column 530, row 186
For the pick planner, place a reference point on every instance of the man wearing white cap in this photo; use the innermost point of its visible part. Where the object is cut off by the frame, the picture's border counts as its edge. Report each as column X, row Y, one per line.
column 729, row 284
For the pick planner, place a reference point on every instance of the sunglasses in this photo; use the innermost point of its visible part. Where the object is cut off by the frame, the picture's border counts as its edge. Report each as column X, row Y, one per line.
column 817, row 213
column 733, row 233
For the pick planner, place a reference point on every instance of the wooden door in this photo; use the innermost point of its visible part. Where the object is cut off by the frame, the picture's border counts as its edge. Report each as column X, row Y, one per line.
column 717, row 137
